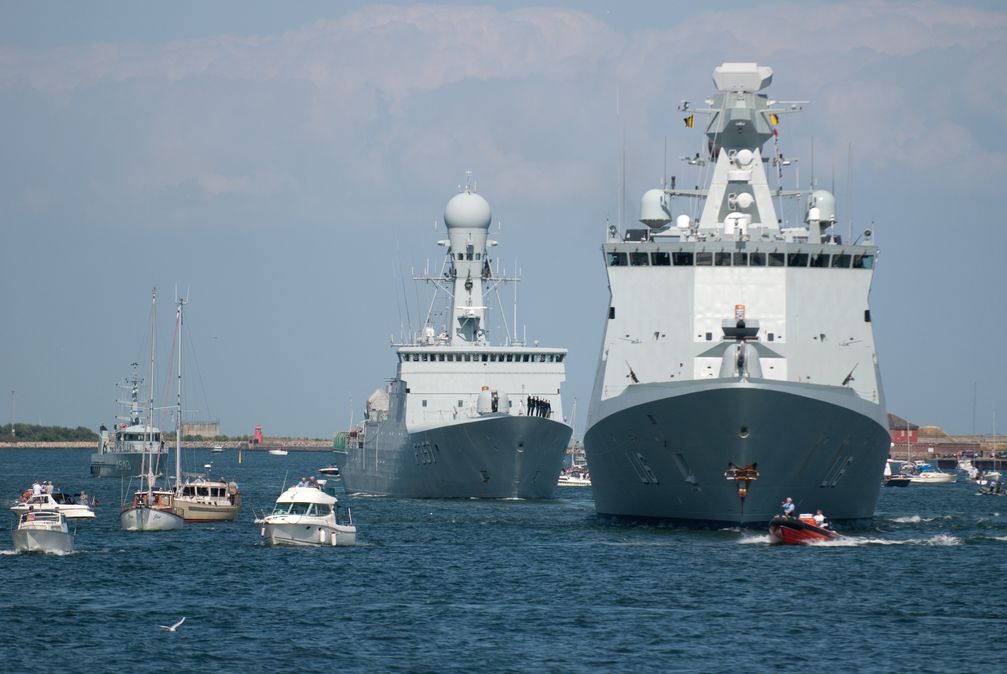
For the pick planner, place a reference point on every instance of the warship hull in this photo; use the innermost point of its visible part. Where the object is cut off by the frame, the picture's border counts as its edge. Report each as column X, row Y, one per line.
column 663, row 452
column 498, row 456
column 118, row 464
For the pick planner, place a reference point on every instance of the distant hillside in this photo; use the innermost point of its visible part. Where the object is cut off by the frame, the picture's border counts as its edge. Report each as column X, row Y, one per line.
column 33, row 433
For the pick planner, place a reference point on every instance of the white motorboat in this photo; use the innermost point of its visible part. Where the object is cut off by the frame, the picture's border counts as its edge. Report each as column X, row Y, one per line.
column 574, row 480
column 330, row 470
column 56, row 502
column 925, row 473
column 217, row 449
column 278, row 452
column 44, row 531
column 306, row 516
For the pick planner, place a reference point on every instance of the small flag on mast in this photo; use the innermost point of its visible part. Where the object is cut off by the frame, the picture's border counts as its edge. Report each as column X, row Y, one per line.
column 774, row 119
column 690, row 121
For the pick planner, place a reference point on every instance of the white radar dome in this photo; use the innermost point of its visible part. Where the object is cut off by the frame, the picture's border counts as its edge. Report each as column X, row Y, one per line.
column 469, row 210
column 683, row 221
column 825, row 202
column 653, row 209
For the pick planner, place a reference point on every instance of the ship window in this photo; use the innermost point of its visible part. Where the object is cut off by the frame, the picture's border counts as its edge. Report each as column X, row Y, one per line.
column 510, row 358
column 424, row 403
column 775, row 259
column 867, row 315
column 440, row 357
column 704, row 259
column 560, row 357
column 797, row 260
column 485, row 357
column 479, row 256
column 426, row 357
column 841, row 260
column 709, row 336
column 660, row 259
column 863, row 261
column 616, row 259
column 722, row 259
column 541, row 358
column 468, row 256
column 611, row 312
column 460, row 403
column 461, row 256
column 639, row 259
column 681, row 259
column 740, row 259
column 757, row 260
column 524, row 358
column 819, row 260
column 770, row 336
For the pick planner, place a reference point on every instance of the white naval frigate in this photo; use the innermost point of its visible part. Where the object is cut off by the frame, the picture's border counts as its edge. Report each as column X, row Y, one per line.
column 738, row 365
column 464, row 418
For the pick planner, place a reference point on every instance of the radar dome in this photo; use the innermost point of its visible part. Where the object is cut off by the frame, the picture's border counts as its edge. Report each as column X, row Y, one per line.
column 825, row 202
column 468, row 210
column 654, row 210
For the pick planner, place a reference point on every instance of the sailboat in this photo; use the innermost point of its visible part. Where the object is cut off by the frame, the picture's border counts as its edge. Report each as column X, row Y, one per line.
column 202, row 499
column 151, row 509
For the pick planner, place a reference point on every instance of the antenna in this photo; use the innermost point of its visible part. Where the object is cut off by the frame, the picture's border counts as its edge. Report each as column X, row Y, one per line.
column 849, row 191
column 812, row 163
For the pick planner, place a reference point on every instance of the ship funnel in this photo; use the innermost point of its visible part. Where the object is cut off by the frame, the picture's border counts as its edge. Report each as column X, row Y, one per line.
column 654, row 209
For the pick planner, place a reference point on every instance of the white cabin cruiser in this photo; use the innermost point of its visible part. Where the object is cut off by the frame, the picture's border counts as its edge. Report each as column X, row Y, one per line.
column 44, row 531
column 56, row 502
column 306, row 516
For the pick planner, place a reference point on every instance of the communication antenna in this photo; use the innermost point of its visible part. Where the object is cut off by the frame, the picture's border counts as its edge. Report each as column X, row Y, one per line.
column 849, row 191
column 812, row 163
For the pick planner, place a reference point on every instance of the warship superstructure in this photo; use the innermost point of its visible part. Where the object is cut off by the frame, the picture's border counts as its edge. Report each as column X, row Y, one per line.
column 738, row 365
column 464, row 417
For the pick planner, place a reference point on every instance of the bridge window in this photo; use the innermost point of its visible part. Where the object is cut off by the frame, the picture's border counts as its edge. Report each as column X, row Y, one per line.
column 681, row 259
column 841, row 260
column 460, row 404
column 560, row 357
column 704, row 259
column 722, row 259
column 424, row 403
column 775, row 259
column 797, row 260
column 485, row 357
column 819, row 260
column 660, row 259
column 639, row 259
column 740, row 259
column 616, row 259
column 440, row 357
column 863, row 261
column 757, row 260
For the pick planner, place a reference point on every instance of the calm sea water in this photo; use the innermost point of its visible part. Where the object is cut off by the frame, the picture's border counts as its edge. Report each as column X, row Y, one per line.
column 472, row 586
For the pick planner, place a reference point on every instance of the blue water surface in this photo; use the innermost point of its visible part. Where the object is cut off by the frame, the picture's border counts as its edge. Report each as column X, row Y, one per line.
column 501, row 586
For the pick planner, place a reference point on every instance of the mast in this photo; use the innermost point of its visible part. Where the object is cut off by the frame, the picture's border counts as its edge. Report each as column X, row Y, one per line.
column 178, row 406
column 150, row 397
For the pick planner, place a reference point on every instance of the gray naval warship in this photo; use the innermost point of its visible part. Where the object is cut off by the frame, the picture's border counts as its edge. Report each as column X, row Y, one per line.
column 738, row 365
column 463, row 418
column 122, row 452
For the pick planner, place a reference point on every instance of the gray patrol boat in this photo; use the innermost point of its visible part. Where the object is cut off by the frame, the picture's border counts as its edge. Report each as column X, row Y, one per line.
column 463, row 418
column 738, row 365
column 123, row 450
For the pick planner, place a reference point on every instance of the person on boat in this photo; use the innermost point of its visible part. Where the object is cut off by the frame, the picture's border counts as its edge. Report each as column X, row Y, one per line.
column 48, row 487
column 820, row 519
column 312, row 482
column 302, row 483
column 788, row 507
column 232, row 490
column 36, row 488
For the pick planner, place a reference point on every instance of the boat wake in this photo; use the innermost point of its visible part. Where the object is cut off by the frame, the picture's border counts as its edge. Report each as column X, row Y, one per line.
column 750, row 540
column 857, row 541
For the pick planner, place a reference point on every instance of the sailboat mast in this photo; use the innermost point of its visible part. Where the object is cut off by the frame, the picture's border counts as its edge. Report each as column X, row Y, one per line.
column 150, row 397
column 178, row 407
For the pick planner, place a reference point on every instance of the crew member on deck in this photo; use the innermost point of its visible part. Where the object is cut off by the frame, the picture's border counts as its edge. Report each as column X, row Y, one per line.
column 820, row 519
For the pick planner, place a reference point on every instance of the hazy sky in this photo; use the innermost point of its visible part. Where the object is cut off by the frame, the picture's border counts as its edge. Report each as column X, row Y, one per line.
column 286, row 163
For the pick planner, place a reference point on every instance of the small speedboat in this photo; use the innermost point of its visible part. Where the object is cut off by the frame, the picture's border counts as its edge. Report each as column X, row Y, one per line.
column 306, row 516
column 791, row 531
column 900, row 480
column 44, row 531
column 330, row 470
column 217, row 449
column 574, row 480
column 278, row 452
